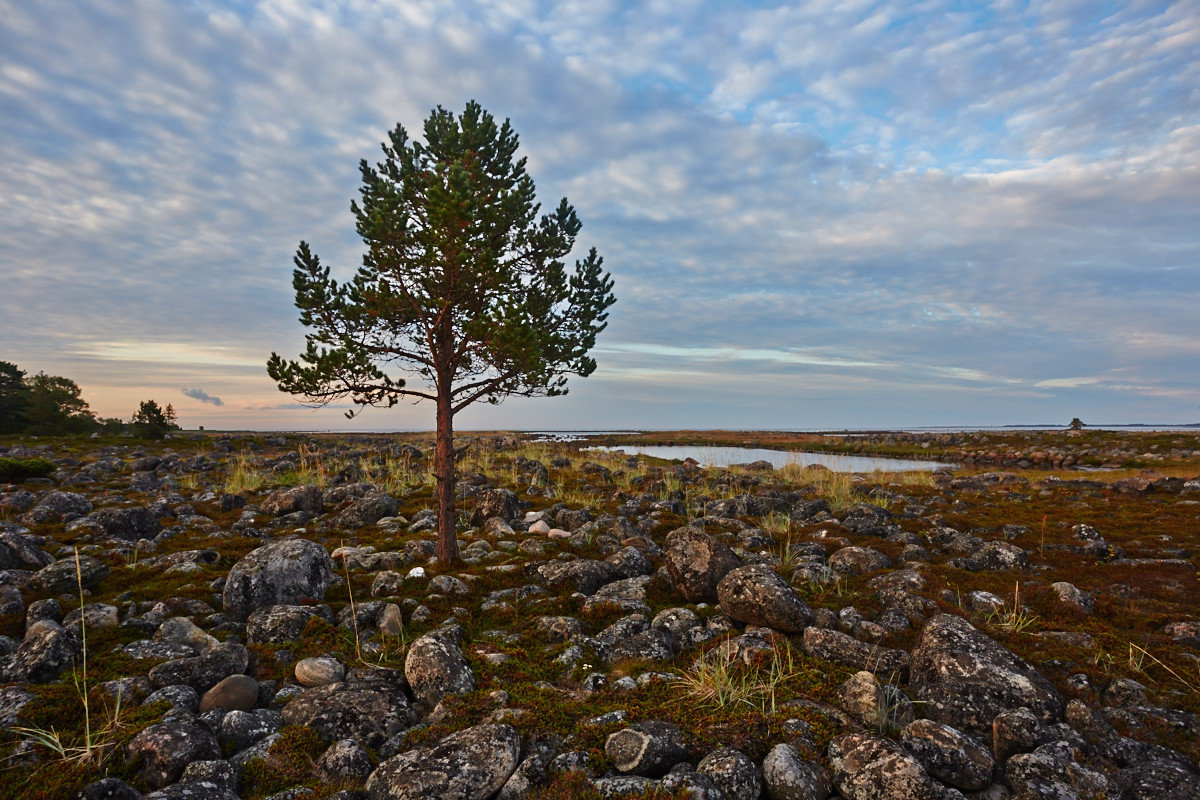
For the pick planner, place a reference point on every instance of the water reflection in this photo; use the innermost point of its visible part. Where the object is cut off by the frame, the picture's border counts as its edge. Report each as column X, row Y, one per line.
column 716, row 456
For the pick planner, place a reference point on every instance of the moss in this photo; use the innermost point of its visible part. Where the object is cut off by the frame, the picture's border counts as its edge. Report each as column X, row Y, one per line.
column 289, row 764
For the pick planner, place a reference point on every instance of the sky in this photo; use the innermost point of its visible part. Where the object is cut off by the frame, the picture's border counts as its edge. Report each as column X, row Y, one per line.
column 829, row 214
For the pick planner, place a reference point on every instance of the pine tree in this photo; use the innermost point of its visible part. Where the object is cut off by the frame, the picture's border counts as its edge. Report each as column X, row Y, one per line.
column 462, row 286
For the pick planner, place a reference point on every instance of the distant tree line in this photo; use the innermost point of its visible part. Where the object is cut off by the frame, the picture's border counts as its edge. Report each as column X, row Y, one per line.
column 44, row 404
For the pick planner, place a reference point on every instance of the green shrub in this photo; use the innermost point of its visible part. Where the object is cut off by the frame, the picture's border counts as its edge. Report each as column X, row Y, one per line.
column 15, row 470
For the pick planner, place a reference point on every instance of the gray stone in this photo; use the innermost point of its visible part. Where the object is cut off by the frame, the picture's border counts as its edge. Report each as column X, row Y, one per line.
column 1051, row 772
column 500, row 503
column 109, row 789
column 789, row 777
column 858, row 561
column 166, row 748
column 55, row 506
column 866, row 766
column 289, row 501
column 756, row 595
column 242, row 729
column 583, row 575
column 65, row 577
column 367, row 510
column 949, row 755
column 733, row 772
column 469, row 765
column 646, row 748
column 435, row 667
column 319, row 671
column 842, row 649
column 964, row 678
column 369, row 712
column 342, row 760
column 277, row 624
column 205, row 671
column 46, row 653
column 129, row 524
column 288, row 571
column 696, row 563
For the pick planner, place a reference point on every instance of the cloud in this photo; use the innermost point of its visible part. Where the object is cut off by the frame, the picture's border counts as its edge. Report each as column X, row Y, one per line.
column 852, row 201
column 203, row 396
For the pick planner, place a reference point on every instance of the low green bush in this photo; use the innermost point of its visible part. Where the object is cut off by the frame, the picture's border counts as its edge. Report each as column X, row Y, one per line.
column 15, row 470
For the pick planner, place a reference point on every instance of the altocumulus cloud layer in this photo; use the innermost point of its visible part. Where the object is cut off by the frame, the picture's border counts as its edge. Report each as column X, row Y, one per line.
column 818, row 214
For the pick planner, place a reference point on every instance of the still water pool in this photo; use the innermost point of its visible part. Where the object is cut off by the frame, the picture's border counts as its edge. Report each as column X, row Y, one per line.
column 726, row 456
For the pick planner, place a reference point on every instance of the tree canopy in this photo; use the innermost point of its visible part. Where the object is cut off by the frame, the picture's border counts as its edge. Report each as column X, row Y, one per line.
column 463, row 285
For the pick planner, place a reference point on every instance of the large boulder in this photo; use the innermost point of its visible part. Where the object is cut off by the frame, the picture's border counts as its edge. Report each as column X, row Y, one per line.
column 367, row 510
column 288, row 571
column 435, row 667
column 839, row 648
column 369, row 712
column 55, row 507
column 469, row 765
column 282, row 623
column 789, row 777
column 205, row 671
column 696, row 563
column 298, row 498
column 44, row 655
column 647, row 748
column 18, row 551
column 964, row 678
column 165, row 750
column 949, row 755
column 68, row 575
column 500, row 503
column 869, row 767
column 129, row 524
column 583, row 575
column 756, row 595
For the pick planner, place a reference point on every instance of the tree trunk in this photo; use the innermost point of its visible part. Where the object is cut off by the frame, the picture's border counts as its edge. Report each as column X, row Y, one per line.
column 447, row 543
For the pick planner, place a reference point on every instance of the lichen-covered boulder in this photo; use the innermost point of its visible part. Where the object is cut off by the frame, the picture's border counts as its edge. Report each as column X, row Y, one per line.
column 44, row 655
column 55, row 506
column 869, row 767
column 842, row 649
column 435, row 667
column 696, row 563
column 298, row 498
column 469, row 765
column 282, row 623
column 18, row 551
column 288, row 571
column 370, row 712
column 500, row 503
column 129, row 524
column 583, row 575
column 166, row 748
column 965, row 678
column 733, row 772
column 66, row 576
column 367, row 510
column 949, row 755
column 647, row 748
column 756, row 595
column 789, row 777
column 203, row 672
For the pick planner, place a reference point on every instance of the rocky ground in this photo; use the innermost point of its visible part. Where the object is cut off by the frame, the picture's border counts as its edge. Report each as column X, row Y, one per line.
column 258, row 616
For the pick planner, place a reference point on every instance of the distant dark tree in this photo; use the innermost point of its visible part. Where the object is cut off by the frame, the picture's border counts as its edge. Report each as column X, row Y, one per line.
column 1076, row 424
column 463, row 284
column 152, row 421
column 56, row 405
column 14, row 398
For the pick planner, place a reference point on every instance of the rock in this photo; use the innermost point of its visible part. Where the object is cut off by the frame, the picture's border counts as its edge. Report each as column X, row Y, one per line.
column 842, row 649
column 949, row 755
column 55, row 506
column 287, row 571
column 64, row 576
column 181, row 630
column 496, row 503
column 469, row 765
column 182, row 698
column 531, row 772
column 12, row 700
column 367, row 510
column 370, row 712
column 583, row 575
column 109, row 789
column 858, row 561
column 205, row 671
column 789, row 777
column 218, row 778
column 964, row 678
column 129, row 524
column 696, row 563
column 289, row 501
column 390, row 620
column 344, row 759
column 631, row 562
column 1015, row 731
column 435, row 667
column 166, row 748
column 733, row 772
column 387, row 584
column 18, row 551
column 869, row 767
column 1071, row 595
column 281, row 623
column 1051, row 772
column 319, row 671
column 623, row 786
column 45, row 654
column 646, row 748
column 997, row 556
column 861, row 696
column 233, row 693
column 242, row 729
column 756, row 595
